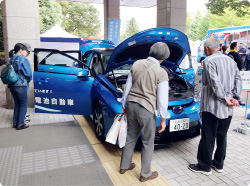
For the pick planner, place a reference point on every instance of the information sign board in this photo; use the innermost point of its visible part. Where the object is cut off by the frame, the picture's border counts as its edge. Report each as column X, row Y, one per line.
column 245, row 78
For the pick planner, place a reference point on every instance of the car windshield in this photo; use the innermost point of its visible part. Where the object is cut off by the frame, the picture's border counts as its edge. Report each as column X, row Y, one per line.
column 105, row 56
column 123, row 69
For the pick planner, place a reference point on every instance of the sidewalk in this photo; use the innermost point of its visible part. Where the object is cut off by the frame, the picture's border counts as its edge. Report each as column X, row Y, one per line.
column 52, row 151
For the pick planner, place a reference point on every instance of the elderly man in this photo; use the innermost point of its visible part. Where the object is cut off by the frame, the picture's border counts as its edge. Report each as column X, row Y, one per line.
column 221, row 91
column 145, row 95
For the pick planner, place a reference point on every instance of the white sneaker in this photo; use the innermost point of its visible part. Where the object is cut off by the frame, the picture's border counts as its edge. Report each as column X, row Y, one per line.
column 216, row 169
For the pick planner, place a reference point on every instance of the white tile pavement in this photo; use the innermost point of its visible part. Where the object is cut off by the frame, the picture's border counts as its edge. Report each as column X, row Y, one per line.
column 172, row 160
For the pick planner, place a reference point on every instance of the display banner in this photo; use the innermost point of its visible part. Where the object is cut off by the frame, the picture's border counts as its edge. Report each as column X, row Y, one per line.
column 114, row 31
column 245, row 78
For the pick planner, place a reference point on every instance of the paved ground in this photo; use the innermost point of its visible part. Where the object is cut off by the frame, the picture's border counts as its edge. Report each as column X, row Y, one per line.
column 171, row 160
column 52, row 151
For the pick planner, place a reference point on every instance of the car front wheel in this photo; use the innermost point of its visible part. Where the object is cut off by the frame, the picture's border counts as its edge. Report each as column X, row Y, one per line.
column 98, row 121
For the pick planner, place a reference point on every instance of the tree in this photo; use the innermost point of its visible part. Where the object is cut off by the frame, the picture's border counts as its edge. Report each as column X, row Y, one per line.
column 198, row 27
column 218, row 7
column 189, row 21
column 50, row 14
column 132, row 27
column 227, row 19
column 80, row 19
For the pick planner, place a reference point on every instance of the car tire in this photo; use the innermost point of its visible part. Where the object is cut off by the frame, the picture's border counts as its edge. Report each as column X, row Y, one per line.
column 98, row 122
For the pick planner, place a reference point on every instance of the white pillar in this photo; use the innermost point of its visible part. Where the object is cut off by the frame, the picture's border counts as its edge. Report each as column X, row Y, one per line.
column 172, row 14
column 21, row 25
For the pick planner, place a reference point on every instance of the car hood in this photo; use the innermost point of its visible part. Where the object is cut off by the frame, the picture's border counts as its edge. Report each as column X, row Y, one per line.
column 88, row 44
column 138, row 46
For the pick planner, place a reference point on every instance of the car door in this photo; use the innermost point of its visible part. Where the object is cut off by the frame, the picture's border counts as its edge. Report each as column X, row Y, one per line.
column 62, row 84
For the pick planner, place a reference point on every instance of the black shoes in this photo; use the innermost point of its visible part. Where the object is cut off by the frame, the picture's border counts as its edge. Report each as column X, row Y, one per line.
column 216, row 168
column 197, row 168
column 20, row 127
column 26, row 120
column 153, row 176
column 132, row 165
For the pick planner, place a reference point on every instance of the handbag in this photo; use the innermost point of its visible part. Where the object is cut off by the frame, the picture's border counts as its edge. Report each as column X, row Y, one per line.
column 8, row 74
column 114, row 130
column 122, row 135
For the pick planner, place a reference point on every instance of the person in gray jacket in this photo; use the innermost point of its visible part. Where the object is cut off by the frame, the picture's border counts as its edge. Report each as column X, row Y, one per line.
column 221, row 89
column 145, row 97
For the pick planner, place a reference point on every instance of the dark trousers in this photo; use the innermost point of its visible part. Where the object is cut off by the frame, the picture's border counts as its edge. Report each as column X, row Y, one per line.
column 19, row 94
column 213, row 128
column 139, row 119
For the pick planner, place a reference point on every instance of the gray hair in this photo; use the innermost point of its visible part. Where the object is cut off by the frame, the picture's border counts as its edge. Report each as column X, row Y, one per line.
column 212, row 43
column 159, row 51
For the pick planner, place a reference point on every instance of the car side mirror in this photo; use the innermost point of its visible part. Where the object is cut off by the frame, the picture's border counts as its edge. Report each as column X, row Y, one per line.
column 75, row 64
column 82, row 74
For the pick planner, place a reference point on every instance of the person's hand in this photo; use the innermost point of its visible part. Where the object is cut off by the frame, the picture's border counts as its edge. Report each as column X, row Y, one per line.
column 243, row 69
column 162, row 126
column 124, row 111
column 232, row 102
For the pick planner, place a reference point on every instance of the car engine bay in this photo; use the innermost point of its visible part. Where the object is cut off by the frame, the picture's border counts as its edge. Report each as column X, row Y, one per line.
column 179, row 88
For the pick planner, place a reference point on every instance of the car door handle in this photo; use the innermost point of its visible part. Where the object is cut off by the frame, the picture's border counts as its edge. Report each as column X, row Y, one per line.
column 43, row 81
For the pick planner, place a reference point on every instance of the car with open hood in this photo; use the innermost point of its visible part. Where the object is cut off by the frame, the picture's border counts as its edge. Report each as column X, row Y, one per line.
column 90, row 84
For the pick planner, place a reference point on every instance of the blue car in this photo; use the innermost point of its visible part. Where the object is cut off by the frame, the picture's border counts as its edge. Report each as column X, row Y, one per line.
column 68, row 83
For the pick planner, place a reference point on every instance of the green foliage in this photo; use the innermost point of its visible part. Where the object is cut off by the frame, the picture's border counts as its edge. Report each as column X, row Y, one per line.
column 197, row 28
column 228, row 19
column 132, row 27
column 50, row 14
column 189, row 21
column 218, row 7
column 80, row 19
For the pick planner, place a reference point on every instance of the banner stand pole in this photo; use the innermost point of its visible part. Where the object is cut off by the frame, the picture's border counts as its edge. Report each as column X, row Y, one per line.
column 244, row 128
column 246, row 110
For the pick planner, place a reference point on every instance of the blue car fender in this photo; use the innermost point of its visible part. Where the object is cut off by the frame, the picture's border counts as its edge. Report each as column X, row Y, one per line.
column 108, row 102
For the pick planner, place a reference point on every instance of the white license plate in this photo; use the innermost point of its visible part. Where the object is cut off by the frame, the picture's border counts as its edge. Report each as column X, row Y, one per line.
column 179, row 124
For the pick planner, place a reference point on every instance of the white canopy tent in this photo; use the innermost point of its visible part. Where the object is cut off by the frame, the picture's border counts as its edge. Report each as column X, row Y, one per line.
column 57, row 38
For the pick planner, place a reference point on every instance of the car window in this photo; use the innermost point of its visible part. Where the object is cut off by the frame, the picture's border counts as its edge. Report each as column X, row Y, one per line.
column 86, row 57
column 105, row 59
column 105, row 56
column 185, row 63
column 57, row 59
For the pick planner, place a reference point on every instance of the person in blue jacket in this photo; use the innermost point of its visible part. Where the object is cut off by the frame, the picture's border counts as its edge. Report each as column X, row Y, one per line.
column 19, row 89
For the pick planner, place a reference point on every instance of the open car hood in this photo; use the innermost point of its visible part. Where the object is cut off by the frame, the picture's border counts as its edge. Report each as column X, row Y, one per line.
column 88, row 44
column 138, row 46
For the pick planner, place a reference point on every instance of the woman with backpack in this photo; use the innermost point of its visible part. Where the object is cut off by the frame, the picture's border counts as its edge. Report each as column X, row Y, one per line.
column 18, row 89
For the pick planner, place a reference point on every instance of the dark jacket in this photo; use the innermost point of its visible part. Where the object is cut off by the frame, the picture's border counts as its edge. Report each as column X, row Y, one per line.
column 247, row 62
column 237, row 59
